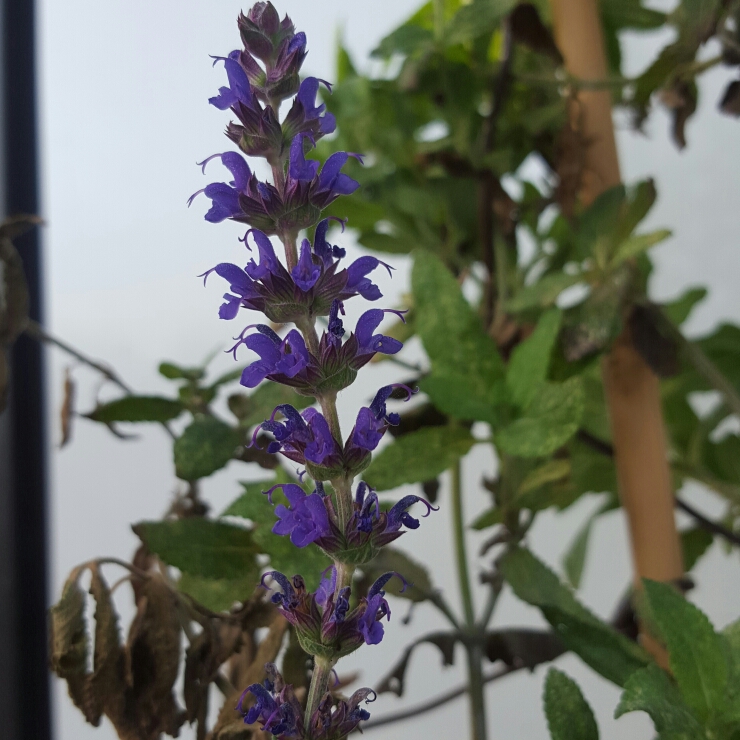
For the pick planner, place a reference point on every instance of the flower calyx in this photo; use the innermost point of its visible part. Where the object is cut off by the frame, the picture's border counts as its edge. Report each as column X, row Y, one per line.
column 324, row 623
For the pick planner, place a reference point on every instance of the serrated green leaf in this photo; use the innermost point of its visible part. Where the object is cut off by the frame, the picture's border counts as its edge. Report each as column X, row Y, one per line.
column 609, row 653
column 418, row 456
column 637, row 244
column 549, row 421
column 529, row 361
column 137, row 409
column 253, row 504
column 201, row 547
column 650, row 690
column 466, row 367
column 543, row 293
column 219, row 594
column 569, row 717
column 695, row 650
column 260, row 404
column 392, row 559
column 205, row 446
column 731, row 637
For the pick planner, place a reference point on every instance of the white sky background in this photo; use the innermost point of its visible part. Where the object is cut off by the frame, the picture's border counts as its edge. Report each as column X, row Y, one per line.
column 124, row 89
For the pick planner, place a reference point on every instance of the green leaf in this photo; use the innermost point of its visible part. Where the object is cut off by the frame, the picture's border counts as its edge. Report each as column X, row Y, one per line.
column 609, row 653
column 479, row 18
column 650, row 690
column 309, row 561
column 529, row 361
column 731, row 638
column 694, row 543
column 679, row 310
column 569, row 717
column 543, row 293
column 408, row 40
column 201, row 547
column 466, row 367
column 137, row 409
column 549, row 472
column 260, row 404
column 204, row 447
column 391, row 559
column 418, row 456
column 695, row 650
column 575, row 556
column 637, row 244
column 175, row 372
column 488, row 519
column 219, row 594
column 229, row 377
column 549, row 421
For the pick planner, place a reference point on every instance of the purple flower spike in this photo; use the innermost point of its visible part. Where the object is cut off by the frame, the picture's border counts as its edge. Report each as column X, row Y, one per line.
column 398, row 515
column 275, row 706
column 305, row 519
column 323, row 620
column 306, row 273
column 336, row 718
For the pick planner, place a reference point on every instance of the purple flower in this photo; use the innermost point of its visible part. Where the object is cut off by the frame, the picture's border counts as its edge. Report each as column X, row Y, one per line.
column 337, row 718
column 259, row 133
column 305, row 117
column 289, row 362
column 275, row 706
column 267, row 286
column 275, row 43
column 324, row 623
column 368, row 528
column 305, row 519
column 298, row 206
column 373, row 421
column 279, row 360
column 306, row 439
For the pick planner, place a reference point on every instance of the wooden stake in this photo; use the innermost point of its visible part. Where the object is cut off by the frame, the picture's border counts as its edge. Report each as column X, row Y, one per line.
column 632, row 390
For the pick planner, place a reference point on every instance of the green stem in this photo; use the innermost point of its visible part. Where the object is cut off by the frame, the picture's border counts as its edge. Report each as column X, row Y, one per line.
column 319, row 685
column 499, row 254
column 473, row 648
column 439, row 19
column 460, row 551
column 475, row 691
column 288, row 239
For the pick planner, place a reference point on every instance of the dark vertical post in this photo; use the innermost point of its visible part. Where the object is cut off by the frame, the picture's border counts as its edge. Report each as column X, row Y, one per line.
column 24, row 677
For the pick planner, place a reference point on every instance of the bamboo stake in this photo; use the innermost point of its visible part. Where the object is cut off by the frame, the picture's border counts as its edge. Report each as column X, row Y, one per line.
column 631, row 388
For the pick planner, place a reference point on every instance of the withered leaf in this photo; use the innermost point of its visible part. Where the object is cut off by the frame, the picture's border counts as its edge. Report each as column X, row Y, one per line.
column 681, row 98
column 527, row 28
column 106, row 684
column 230, row 725
column 394, row 681
column 68, row 641
column 657, row 349
column 67, row 410
column 523, row 647
column 154, row 657
column 730, row 102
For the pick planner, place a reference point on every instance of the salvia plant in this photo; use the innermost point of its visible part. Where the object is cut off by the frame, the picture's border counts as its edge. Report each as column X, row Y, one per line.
column 416, row 164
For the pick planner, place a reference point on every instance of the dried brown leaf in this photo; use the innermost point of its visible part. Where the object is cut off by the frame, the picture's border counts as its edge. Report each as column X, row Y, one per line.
column 68, row 641
column 67, row 410
column 230, row 725
column 730, row 103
